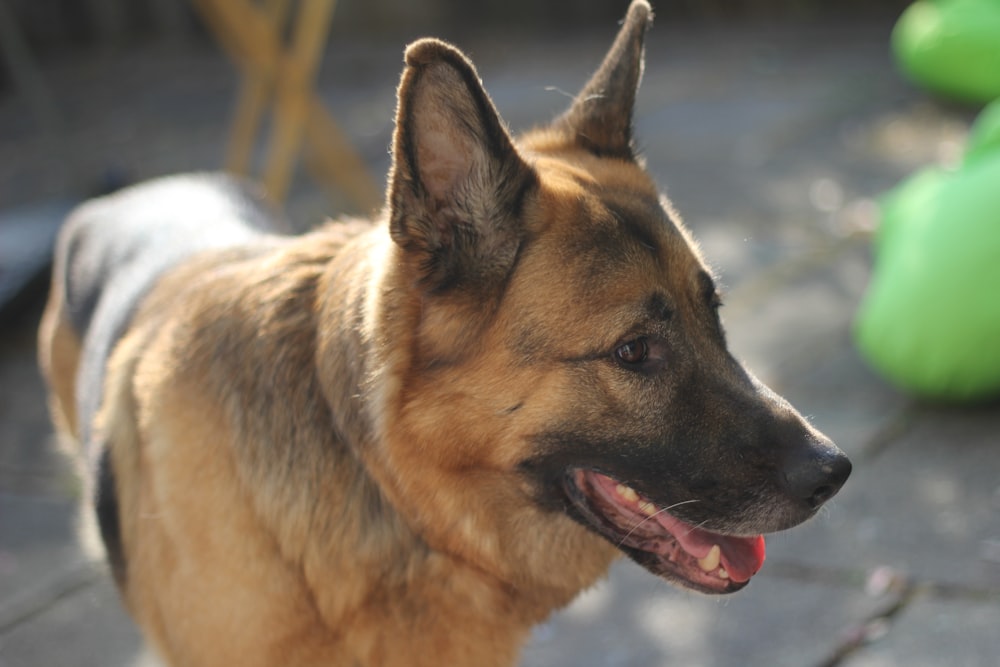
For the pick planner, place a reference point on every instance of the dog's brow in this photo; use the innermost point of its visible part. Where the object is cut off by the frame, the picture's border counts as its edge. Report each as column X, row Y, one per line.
column 637, row 231
column 658, row 307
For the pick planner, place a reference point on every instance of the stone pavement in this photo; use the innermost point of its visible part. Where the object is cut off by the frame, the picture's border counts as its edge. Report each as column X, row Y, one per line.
column 773, row 141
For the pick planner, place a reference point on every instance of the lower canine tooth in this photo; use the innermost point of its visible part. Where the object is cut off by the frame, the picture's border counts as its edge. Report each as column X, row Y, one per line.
column 712, row 560
column 648, row 508
column 723, row 574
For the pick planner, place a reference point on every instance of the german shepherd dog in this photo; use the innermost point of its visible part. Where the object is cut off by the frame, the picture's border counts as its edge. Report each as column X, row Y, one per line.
column 405, row 442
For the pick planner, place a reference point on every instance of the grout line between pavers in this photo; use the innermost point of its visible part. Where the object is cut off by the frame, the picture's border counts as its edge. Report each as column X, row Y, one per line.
column 758, row 287
column 901, row 592
column 937, row 590
column 876, row 626
column 895, row 427
column 28, row 606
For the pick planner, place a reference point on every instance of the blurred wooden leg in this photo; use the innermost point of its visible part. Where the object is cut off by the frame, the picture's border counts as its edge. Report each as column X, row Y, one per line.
column 252, row 37
column 255, row 93
column 297, row 73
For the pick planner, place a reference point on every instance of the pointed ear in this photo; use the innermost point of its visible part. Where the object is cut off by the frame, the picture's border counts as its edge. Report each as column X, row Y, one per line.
column 457, row 182
column 600, row 118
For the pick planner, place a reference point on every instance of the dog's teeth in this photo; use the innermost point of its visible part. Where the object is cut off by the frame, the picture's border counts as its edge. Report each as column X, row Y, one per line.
column 712, row 560
column 627, row 492
column 723, row 574
column 648, row 508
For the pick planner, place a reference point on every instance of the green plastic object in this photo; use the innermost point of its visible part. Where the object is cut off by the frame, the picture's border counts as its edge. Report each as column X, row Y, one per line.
column 951, row 47
column 930, row 320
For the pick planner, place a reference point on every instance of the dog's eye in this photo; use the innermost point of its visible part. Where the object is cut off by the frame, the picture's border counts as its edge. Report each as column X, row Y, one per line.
column 633, row 352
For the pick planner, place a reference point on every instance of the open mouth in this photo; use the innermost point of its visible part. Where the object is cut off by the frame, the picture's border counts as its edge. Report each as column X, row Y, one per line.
column 662, row 543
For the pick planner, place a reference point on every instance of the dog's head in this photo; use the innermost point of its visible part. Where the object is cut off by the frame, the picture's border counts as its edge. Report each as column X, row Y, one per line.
column 550, row 353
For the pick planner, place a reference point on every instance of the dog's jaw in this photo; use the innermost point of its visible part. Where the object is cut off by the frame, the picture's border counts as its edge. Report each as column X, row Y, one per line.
column 656, row 539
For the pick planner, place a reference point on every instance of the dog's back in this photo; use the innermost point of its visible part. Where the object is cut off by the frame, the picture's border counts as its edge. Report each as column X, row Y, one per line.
column 109, row 254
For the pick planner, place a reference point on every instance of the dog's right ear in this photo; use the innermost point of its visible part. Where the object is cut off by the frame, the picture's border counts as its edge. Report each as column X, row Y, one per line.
column 457, row 182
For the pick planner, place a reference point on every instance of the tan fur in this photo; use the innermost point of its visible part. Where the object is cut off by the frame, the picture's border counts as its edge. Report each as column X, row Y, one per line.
column 59, row 359
column 319, row 449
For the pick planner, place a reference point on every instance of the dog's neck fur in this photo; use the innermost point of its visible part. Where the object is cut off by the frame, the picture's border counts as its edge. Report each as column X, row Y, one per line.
column 324, row 322
column 454, row 168
column 498, row 609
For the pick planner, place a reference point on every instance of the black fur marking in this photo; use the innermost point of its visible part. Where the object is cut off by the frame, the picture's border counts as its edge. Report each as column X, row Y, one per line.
column 658, row 307
column 106, row 508
column 645, row 237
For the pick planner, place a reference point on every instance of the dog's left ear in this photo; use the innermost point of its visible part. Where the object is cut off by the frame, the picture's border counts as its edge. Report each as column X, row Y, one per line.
column 457, row 182
column 600, row 118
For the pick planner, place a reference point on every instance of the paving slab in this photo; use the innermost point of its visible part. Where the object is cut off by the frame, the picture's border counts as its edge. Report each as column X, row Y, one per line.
column 30, row 461
column 38, row 546
column 844, row 398
column 792, row 315
column 633, row 620
column 87, row 628
column 932, row 633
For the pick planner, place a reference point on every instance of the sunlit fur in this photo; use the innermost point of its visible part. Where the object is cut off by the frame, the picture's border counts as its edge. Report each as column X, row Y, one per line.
column 339, row 448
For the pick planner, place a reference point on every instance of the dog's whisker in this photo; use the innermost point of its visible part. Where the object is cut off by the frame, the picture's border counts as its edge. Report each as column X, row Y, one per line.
column 662, row 510
column 699, row 526
column 683, row 502
column 556, row 89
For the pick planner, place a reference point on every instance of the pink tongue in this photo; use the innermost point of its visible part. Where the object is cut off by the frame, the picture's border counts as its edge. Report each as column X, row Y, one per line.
column 742, row 557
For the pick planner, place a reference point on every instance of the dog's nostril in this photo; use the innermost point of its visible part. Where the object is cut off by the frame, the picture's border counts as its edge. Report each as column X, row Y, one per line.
column 822, row 494
column 817, row 479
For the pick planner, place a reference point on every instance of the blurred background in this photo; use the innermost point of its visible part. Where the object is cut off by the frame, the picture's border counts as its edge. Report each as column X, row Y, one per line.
column 775, row 126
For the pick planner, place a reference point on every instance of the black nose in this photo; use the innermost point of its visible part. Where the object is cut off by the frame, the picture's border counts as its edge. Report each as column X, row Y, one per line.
column 815, row 474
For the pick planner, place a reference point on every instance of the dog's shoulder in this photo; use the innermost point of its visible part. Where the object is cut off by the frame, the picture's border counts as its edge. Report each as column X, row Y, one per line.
column 246, row 322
